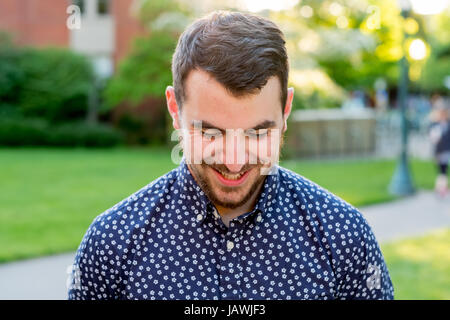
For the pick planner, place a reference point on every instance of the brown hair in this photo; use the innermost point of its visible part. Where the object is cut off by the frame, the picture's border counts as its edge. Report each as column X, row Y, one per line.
column 240, row 50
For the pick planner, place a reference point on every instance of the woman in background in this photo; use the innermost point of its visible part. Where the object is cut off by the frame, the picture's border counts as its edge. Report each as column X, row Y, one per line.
column 439, row 132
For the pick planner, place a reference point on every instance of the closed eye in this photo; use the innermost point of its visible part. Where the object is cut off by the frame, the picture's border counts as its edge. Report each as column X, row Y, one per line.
column 211, row 133
column 260, row 133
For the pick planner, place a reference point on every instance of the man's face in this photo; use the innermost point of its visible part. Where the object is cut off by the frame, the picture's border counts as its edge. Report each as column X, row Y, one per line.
column 228, row 142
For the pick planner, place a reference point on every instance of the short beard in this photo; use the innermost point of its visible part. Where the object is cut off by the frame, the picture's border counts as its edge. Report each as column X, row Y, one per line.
column 206, row 187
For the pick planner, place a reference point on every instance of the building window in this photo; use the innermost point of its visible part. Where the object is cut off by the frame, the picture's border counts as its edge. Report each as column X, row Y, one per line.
column 103, row 7
column 80, row 4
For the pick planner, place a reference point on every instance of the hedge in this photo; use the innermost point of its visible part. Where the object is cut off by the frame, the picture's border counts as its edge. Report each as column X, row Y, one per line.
column 38, row 132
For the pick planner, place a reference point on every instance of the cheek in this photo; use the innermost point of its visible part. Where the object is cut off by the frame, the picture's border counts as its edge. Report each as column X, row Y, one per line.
column 212, row 150
column 265, row 149
column 192, row 147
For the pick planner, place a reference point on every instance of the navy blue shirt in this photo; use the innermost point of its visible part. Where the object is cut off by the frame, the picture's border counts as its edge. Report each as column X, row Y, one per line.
column 167, row 241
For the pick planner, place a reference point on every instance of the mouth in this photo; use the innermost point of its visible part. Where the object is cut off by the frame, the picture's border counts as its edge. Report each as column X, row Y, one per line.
column 231, row 179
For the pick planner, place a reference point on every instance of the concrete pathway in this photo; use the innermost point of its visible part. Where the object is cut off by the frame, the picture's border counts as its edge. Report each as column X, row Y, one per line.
column 41, row 278
column 409, row 217
column 45, row 278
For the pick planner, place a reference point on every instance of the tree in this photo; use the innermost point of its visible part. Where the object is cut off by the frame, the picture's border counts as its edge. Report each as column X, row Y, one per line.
column 137, row 90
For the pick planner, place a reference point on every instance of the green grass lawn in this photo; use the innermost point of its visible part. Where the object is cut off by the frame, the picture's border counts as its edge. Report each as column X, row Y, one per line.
column 420, row 267
column 48, row 198
column 361, row 182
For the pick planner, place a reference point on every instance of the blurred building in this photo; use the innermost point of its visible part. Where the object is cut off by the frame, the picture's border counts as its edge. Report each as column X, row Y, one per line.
column 107, row 27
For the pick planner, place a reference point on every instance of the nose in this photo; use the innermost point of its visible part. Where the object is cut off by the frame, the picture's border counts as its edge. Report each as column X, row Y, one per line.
column 234, row 168
column 235, row 155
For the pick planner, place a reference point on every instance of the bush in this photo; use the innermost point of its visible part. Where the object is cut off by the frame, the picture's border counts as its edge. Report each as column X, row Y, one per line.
column 82, row 134
column 17, row 131
column 11, row 75
column 144, row 124
column 145, row 73
column 49, row 83
column 56, row 84
column 136, row 92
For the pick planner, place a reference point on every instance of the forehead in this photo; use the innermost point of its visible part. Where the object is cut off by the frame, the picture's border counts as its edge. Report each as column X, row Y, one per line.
column 208, row 100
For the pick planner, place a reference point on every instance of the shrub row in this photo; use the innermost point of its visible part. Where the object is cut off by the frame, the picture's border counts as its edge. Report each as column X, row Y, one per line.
column 38, row 132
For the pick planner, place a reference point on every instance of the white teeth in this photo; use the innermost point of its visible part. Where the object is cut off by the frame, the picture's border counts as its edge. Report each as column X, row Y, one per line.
column 232, row 176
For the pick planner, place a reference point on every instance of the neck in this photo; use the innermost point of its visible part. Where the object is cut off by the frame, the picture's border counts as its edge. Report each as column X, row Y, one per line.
column 228, row 214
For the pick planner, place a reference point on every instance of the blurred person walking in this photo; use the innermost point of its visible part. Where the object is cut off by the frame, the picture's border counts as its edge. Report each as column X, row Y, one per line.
column 439, row 133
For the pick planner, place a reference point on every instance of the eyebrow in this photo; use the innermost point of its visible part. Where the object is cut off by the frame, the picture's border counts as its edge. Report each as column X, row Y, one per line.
column 266, row 124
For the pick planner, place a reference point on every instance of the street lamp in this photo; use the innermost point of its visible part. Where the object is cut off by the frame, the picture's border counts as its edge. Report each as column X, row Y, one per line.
column 401, row 183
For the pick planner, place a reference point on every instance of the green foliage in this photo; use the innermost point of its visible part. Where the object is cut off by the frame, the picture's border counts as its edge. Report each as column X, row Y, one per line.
column 18, row 131
column 327, row 59
column 47, row 83
column 56, row 84
column 364, row 74
column 43, row 99
column 315, row 90
column 140, row 84
column 356, row 42
column 151, row 10
column 146, row 129
column 436, row 68
column 11, row 75
column 82, row 134
column 145, row 72
column 318, row 99
column 136, row 91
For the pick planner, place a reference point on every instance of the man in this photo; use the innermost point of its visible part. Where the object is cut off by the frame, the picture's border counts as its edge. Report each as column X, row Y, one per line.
column 229, row 223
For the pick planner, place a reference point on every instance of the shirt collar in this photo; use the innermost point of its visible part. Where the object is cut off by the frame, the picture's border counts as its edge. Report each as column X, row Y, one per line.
column 201, row 205
column 269, row 190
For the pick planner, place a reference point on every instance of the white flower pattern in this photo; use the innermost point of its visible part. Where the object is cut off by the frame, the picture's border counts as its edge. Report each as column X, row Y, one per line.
column 167, row 241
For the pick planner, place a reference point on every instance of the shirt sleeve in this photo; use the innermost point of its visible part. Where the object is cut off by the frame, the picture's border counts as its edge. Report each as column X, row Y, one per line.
column 366, row 276
column 92, row 275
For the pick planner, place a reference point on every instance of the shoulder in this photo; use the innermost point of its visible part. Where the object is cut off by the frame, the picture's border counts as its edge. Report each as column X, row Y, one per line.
column 339, row 227
column 312, row 194
column 135, row 210
column 331, row 216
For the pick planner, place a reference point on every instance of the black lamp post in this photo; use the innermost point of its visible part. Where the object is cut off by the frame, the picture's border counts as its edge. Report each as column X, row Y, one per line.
column 401, row 183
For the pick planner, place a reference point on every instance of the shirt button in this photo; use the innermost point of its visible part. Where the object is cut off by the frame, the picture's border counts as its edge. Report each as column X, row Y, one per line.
column 199, row 217
column 258, row 218
column 230, row 245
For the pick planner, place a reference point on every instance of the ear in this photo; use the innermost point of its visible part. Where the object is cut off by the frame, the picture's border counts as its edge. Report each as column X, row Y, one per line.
column 288, row 107
column 172, row 106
